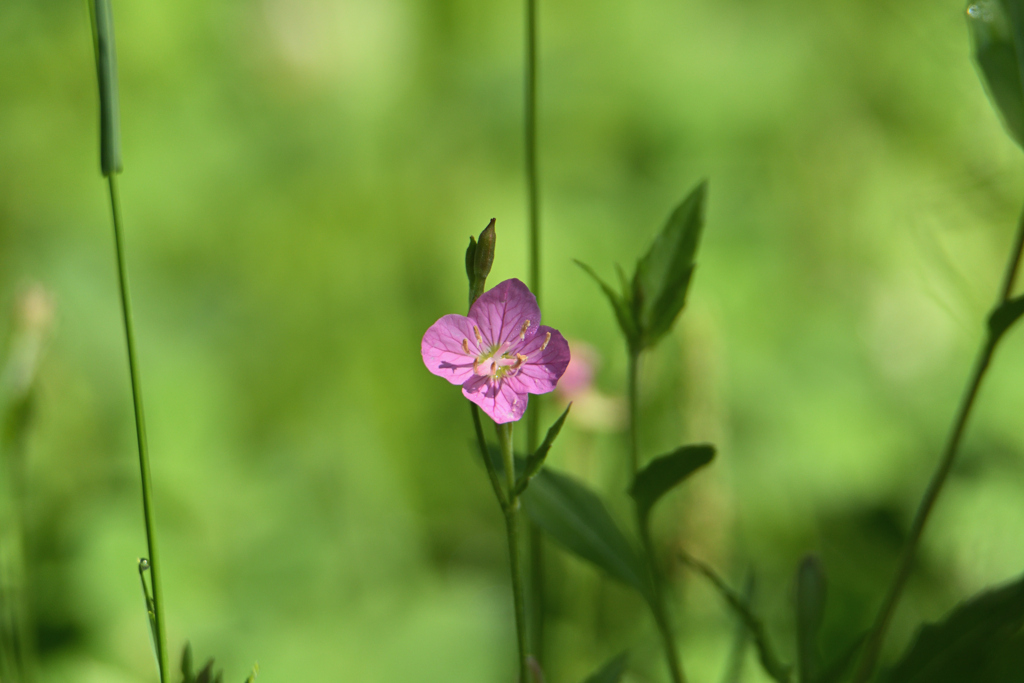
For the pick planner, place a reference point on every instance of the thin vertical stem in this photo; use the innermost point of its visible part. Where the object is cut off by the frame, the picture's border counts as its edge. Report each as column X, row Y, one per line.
column 512, row 527
column 140, row 430
column 873, row 645
column 534, row 534
column 530, row 121
column 657, row 604
column 532, row 192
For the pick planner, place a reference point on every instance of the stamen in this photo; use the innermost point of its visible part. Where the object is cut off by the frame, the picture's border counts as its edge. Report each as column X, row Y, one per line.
column 465, row 346
column 476, row 331
column 547, row 339
column 522, row 332
column 520, row 359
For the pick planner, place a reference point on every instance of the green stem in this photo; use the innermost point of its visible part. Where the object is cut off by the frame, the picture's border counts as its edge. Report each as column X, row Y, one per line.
column 873, row 644
column 530, row 118
column 512, row 527
column 657, row 603
column 492, row 474
column 534, row 537
column 140, row 429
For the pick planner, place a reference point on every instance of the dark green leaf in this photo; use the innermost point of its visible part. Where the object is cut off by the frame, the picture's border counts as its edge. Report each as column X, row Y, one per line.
column 623, row 314
column 1005, row 316
column 576, row 518
column 997, row 58
column 611, row 672
column 772, row 665
column 979, row 641
column 810, row 612
column 663, row 275
column 663, row 473
column 536, row 459
column 186, row 664
column 206, row 675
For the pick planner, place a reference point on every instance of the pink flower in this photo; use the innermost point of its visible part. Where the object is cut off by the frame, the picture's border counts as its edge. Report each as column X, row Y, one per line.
column 500, row 353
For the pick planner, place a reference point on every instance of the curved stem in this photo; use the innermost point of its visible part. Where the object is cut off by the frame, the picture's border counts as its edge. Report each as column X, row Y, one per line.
column 140, row 431
column 512, row 528
column 657, row 604
column 873, row 645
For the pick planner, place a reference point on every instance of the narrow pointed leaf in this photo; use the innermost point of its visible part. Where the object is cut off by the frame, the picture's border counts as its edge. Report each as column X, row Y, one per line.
column 206, row 675
column 576, row 518
column 662, row 474
column 187, row 675
column 810, row 612
column 741, row 638
column 612, row 672
column 772, row 665
column 1005, row 316
column 979, row 641
column 663, row 274
column 998, row 61
column 623, row 314
column 536, row 459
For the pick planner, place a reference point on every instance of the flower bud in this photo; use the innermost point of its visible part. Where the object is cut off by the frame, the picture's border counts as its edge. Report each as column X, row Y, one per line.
column 471, row 259
column 484, row 256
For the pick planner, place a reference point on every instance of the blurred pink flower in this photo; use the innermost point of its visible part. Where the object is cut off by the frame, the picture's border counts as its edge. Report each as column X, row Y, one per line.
column 591, row 409
column 579, row 376
column 500, row 353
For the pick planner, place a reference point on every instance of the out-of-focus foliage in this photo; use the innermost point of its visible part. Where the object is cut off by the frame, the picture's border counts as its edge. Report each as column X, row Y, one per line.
column 982, row 640
column 300, row 180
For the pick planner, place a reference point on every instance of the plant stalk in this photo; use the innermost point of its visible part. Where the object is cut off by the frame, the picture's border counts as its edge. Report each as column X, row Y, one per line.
column 657, row 603
column 512, row 527
column 159, row 640
column 534, row 534
column 876, row 637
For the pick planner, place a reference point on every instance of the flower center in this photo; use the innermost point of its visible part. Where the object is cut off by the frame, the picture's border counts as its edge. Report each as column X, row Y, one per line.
column 498, row 362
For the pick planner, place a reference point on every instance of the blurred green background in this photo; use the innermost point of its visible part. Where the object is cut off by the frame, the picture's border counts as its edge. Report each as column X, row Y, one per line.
column 301, row 177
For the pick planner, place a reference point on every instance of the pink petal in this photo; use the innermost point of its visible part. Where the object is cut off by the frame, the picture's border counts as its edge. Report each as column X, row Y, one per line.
column 502, row 311
column 443, row 351
column 499, row 400
column 543, row 367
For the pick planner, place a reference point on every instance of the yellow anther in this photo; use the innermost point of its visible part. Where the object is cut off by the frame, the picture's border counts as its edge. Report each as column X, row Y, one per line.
column 476, row 331
column 465, row 346
column 522, row 332
column 547, row 339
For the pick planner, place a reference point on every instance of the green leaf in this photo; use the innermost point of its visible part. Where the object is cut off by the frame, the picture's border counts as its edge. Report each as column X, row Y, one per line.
column 627, row 321
column 772, row 665
column 810, row 612
column 663, row 274
column 187, row 676
column 1005, row 316
column 576, row 518
column 662, row 474
column 996, row 54
column 612, row 671
column 979, row 641
column 536, row 459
